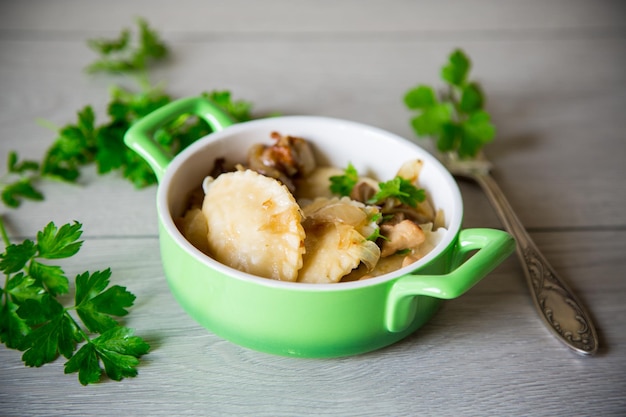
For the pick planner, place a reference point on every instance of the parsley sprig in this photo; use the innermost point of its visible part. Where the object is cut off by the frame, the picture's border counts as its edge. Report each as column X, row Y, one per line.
column 17, row 183
column 343, row 184
column 122, row 55
column 34, row 320
column 88, row 141
column 401, row 189
column 456, row 119
column 397, row 188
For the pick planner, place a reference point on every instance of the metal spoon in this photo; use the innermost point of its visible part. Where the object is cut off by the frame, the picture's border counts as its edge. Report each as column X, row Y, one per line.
column 557, row 305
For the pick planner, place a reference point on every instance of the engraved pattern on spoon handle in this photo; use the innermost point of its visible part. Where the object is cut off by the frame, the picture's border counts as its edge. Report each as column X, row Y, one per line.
column 556, row 303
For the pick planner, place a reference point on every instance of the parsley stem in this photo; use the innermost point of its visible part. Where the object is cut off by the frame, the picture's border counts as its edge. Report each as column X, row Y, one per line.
column 81, row 332
column 3, row 231
column 7, row 242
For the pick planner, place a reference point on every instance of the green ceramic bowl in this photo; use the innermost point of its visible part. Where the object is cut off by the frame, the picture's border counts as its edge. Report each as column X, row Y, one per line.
column 310, row 320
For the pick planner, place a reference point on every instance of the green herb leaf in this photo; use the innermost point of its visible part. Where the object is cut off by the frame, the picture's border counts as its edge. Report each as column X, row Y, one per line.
column 421, row 97
column 56, row 332
column 107, row 46
column 74, row 147
column 87, row 363
column 149, row 41
column 343, row 184
column 95, row 305
column 118, row 350
column 13, row 329
column 17, row 167
column 21, row 287
column 17, row 184
column 471, row 98
column 239, row 110
column 51, row 277
column 401, row 189
column 429, row 122
column 17, row 256
column 121, row 55
column 456, row 70
column 478, row 131
column 13, row 193
column 375, row 235
column 58, row 243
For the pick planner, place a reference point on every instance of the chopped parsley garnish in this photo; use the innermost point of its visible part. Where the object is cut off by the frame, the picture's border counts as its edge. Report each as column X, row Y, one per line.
column 398, row 188
column 343, row 184
column 401, row 189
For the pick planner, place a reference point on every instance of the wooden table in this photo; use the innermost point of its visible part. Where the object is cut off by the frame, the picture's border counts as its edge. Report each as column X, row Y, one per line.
column 554, row 73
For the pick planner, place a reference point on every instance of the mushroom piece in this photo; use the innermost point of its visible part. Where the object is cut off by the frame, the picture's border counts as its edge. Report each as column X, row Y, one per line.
column 294, row 154
column 290, row 157
column 262, row 160
column 423, row 213
column 364, row 190
column 399, row 236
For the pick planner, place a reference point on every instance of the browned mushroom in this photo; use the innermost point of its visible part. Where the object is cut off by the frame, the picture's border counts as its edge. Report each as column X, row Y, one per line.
column 364, row 190
column 262, row 160
column 290, row 157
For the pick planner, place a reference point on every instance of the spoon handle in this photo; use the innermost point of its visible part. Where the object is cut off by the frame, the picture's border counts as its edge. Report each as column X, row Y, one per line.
column 557, row 305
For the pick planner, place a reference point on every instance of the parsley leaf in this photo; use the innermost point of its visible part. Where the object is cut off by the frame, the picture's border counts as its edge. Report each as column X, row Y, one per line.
column 17, row 182
column 13, row 193
column 118, row 350
column 16, row 256
column 54, row 332
column 13, row 329
column 54, row 243
column 17, row 167
column 343, row 184
column 121, row 55
column 239, row 110
column 49, row 276
column 422, row 97
column 455, row 72
column 401, row 189
column 456, row 120
column 95, row 305
column 33, row 319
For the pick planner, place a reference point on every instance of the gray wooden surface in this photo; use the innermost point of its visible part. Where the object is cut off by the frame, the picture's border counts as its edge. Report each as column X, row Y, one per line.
column 554, row 73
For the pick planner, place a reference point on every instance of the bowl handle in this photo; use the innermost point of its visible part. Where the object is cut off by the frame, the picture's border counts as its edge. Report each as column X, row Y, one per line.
column 493, row 247
column 139, row 136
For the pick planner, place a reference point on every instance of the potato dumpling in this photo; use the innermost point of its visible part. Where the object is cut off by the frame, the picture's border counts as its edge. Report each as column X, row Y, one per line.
column 254, row 225
column 336, row 239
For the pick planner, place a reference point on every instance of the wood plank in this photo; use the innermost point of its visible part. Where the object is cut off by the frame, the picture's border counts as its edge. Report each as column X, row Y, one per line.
column 346, row 16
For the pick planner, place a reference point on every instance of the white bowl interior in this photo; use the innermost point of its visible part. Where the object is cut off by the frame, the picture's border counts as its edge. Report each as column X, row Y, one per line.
column 372, row 151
